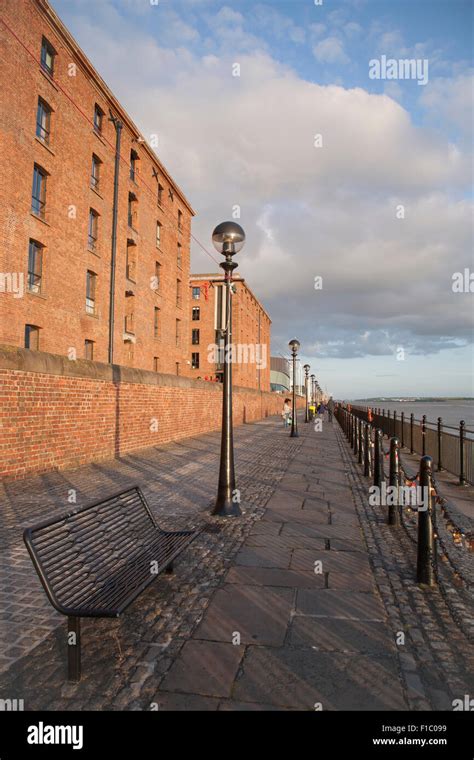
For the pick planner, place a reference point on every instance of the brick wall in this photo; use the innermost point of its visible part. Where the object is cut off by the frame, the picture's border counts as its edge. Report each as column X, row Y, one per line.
column 56, row 413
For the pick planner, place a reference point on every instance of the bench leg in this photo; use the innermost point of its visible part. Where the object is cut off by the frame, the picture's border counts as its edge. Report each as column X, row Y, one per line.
column 74, row 649
column 170, row 568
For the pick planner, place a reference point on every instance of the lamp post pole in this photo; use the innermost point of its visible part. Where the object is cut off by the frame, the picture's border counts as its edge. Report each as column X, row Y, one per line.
column 306, row 404
column 294, row 345
column 228, row 239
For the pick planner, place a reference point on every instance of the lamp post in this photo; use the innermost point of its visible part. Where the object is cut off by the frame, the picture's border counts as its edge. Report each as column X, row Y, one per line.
column 313, row 380
column 228, row 238
column 306, row 378
column 294, row 345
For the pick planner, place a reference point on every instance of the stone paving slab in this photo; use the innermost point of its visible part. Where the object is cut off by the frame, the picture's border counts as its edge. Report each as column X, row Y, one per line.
column 262, row 556
column 302, row 678
column 355, row 563
column 175, row 702
column 308, row 527
column 259, row 615
column 340, row 604
column 333, row 635
column 264, row 576
column 207, row 668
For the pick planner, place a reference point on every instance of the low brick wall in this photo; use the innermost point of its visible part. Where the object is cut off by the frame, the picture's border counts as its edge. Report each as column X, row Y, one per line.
column 56, row 413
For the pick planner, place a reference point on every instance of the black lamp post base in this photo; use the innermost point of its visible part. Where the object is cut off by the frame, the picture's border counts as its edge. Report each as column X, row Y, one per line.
column 294, row 434
column 226, row 508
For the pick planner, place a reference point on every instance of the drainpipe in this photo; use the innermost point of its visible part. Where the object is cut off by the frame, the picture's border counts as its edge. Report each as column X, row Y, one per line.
column 118, row 133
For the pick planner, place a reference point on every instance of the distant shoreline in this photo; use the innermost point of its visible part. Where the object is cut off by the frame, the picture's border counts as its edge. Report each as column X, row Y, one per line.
column 416, row 399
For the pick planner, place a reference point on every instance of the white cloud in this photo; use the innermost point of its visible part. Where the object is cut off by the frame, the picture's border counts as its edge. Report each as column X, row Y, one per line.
column 352, row 29
column 330, row 50
column 308, row 211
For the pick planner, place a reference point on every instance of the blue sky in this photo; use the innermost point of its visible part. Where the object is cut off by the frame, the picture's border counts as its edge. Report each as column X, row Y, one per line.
column 308, row 211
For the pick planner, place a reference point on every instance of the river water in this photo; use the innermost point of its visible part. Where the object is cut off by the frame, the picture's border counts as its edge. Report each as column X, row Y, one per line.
column 451, row 412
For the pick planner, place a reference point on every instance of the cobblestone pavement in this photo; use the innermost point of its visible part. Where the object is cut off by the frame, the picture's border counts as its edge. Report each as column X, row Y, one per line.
column 307, row 601
column 120, row 657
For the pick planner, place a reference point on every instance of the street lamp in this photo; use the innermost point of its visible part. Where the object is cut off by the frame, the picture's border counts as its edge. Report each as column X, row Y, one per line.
column 294, row 345
column 313, row 378
column 306, row 377
column 228, row 238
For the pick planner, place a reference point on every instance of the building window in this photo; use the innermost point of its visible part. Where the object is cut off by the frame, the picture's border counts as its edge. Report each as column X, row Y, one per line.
column 157, row 278
column 38, row 195
column 178, row 332
column 156, row 322
column 195, row 360
column 130, row 327
column 180, row 256
column 155, row 363
column 91, row 283
column 180, row 220
column 35, row 266
column 32, row 337
column 95, row 172
column 43, row 121
column 158, row 234
column 160, row 194
column 196, row 313
column 133, row 164
column 131, row 261
column 196, row 294
column 178, row 293
column 98, row 118
column 195, row 337
column 89, row 349
column 48, row 54
column 93, row 229
column 132, row 211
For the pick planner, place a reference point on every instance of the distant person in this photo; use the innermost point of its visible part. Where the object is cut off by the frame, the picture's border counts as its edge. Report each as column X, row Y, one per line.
column 330, row 408
column 312, row 410
column 286, row 412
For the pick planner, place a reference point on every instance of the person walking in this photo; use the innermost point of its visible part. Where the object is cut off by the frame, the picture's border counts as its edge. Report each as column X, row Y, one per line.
column 286, row 412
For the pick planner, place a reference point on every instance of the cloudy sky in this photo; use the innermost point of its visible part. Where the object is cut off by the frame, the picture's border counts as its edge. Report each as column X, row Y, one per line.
column 363, row 182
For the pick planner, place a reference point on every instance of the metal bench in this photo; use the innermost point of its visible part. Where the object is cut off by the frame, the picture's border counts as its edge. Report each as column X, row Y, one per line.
column 95, row 561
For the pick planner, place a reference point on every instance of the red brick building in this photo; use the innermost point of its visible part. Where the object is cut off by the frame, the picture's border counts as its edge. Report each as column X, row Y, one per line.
column 250, row 332
column 56, row 210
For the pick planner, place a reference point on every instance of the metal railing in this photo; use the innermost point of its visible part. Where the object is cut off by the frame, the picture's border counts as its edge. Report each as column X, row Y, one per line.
column 451, row 448
column 430, row 520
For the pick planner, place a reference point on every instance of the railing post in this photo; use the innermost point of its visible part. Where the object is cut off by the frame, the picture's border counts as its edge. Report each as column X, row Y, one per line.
column 402, row 443
column 426, row 559
column 423, row 435
column 387, row 431
column 360, row 441
column 394, row 481
column 395, row 424
column 356, row 431
column 440, row 435
column 462, row 425
column 378, row 459
column 367, row 450
column 412, row 417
